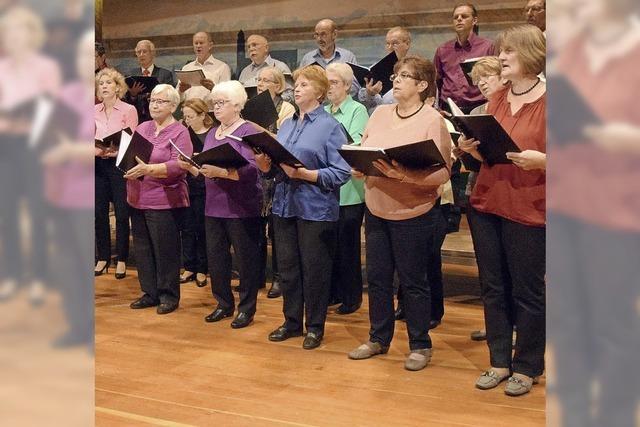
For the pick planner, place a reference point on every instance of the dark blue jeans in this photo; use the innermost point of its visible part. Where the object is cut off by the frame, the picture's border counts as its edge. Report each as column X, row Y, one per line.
column 405, row 246
column 511, row 266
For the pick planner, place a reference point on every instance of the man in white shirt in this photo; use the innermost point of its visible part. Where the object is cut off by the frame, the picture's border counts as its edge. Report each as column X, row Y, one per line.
column 215, row 71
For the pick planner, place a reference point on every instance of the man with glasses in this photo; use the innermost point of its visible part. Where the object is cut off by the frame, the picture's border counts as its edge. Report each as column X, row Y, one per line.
column 536, row 15
column 258, row 48
column 398, row 39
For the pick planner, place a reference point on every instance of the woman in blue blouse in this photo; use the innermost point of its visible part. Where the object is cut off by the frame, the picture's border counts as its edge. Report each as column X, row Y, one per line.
column 305, row 208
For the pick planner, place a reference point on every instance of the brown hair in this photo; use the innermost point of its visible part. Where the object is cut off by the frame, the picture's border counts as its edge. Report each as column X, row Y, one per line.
column 423, row 70
column 529, row 44
column 316, row 77
column 200, row 107
column 487, row 65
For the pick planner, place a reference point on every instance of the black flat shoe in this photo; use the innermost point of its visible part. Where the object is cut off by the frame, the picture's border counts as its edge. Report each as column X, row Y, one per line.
column 311, row 341
column 201, row 283
column 242, row 320
column 144, row 301
column 274, row 291
column 217, row 315
column 104, row 270
column 167, row 307
column 347, row 309
column 399, row 314
column 189, row 278
column 283, row 333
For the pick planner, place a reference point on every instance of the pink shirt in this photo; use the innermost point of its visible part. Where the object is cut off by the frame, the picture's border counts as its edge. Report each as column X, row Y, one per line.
column 35, row 75
column 162, row 193
column 122, row 116
column 71, row 185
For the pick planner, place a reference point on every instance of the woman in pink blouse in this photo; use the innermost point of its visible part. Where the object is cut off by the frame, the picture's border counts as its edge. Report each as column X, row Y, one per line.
column 111, row 115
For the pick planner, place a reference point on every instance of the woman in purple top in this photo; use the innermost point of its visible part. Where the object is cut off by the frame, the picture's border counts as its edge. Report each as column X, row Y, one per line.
column 158, row 203
column 232, row 210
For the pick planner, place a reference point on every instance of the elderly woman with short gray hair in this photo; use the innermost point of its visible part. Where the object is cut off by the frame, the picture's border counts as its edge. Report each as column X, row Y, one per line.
column 158, row 203
column 232, row 210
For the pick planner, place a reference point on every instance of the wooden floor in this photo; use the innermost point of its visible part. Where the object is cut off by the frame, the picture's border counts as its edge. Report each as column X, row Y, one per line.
column 177, row 370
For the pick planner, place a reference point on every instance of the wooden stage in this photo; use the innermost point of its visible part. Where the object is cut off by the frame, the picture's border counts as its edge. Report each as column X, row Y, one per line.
column 177, row 370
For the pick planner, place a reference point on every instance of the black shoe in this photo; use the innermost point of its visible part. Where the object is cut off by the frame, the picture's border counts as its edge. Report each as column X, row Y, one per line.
column 347, row 309
column 242, row 320
column 283, row 333
column 203, row 283
column 167, row 307
column 311, row 341
column 480, row 335
column 121, row 275
column 189, row 278
column 144, row 301
column 399, row 314
column 217, row 315
column 105, row 269
column 275, row 291
column 434, row 323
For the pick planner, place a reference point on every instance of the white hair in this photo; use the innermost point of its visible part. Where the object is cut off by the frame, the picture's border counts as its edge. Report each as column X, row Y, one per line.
column 233, row 90
column 171, row 92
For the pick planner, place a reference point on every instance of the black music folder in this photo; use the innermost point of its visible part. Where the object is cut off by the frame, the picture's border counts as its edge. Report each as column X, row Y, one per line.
column 417, row 155
column 251, row 91
column 467, row 66
column 569, row 114
column 346, row 133
column 149, row 82
column 260, row 110
column 111, row 142
column 380, row 71
column 495, row 142
column 131, row 147
column 223, row 156
column 264, row 142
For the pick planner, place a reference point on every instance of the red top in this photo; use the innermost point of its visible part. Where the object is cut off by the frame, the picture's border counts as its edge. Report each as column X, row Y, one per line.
column 592, row 181
column 505, row 189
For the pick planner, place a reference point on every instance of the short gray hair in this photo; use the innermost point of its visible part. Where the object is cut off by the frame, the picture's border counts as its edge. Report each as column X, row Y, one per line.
column 171, row 93
column 233, row 90
column 343, row 70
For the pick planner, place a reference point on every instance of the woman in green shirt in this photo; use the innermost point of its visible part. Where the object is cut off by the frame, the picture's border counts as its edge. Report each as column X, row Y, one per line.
column 347, row 268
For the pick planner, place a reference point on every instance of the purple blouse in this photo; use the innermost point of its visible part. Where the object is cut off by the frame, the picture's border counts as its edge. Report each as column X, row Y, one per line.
column 162, row 193
column 234, row 199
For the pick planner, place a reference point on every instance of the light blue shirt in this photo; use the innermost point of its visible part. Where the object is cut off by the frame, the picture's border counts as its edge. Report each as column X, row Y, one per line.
column 339, row 55
column 315, row 142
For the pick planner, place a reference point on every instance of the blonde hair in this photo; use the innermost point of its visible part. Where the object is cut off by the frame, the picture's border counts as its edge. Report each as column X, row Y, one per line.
column 529, row 44
column 317, row 77
column 25, row 16
column 200, row 107
column 343, row 70
column 278, row 76
column 485, row 66
column 121, row 85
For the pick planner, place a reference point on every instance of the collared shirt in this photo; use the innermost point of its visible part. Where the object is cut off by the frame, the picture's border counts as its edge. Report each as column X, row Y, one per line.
column 314, row 141
column 122, row 116
column 162, row 193
column 226, row 198
column 451, row 81
column 150, row 69
column 339, row 55
column 214, row 70
column 250, row 73
column 35, row 75
column 354, row 117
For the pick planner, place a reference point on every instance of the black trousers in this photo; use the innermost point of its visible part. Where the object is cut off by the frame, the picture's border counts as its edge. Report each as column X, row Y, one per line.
column 405, row 246
column 72, row 268
column 111, row 187
column 347, row 265
column 156, row 240
column 305, row 257
column 194, row 247
column 593, row 321
column 243, row 234
column 511, row 267
column 434, row 269
column 267, row 234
